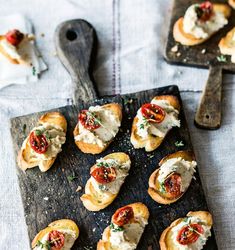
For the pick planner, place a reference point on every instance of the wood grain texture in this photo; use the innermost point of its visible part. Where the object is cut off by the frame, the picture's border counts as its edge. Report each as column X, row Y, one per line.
column 63, row 200
column 210, row 103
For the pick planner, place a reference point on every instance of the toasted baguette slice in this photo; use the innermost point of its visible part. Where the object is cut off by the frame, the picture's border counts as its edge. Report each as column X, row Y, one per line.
column 25, row 159
column 95, row 201
column 95, row 148
column 166, row 241
column 188, row 39
column 140, row 211
column 154, row 185
column 63, row 226
column 227, row 44
column 151, row 142
column 232, row 3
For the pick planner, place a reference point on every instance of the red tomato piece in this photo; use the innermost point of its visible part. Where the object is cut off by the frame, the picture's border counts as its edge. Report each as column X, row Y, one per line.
column 173, row 184
column 14, row 37
column 38, row 143
column 153, row 112
column 205, row 11
column 123, row 215
column 189, row 234
column 88, row 120
column 56, row 240
column 104, row 174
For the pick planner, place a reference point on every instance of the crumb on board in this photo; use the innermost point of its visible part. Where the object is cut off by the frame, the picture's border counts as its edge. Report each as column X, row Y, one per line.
column 203, row 51
column 46, row 198
column 175, row 48
column 178, row 54
column 79, row 188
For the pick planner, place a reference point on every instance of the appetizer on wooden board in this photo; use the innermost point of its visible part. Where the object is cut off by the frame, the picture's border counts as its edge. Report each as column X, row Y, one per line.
column 189, row 233
column 168, row 183
column 12, row 46
column 44, row 142
column 107, row 177
column 153, row 121
column 227, row 45
column 200, row 22
column 59, row 235
column 126, row 228
column 97, row 127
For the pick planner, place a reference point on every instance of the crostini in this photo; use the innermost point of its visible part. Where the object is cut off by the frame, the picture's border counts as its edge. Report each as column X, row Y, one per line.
column 153, row 122
column 232, row 3
column 43, row 143
column 227, row 45
column 169, row 182
column 97, row 127
column 107, row 177
column 12, row 46
column 126, row 228
column 189, row 233
column 200, row 22
column 60, row 234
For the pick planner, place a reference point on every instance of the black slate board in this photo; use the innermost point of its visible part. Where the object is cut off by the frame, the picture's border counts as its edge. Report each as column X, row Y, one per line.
column 64, row 202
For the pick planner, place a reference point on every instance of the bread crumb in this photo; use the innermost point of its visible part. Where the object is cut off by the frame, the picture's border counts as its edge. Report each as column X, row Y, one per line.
column 79, row 188
column 93, row 230
column 175, row 48
column 203, row 51
column 178, row 54
column 46, row 198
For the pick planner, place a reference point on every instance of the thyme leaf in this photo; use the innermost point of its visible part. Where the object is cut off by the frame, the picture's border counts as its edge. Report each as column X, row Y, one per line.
column 221, row 58
column 179, row 144
column 115, row 228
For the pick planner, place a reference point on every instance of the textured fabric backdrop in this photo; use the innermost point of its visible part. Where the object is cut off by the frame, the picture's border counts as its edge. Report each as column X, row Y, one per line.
column 130, row 58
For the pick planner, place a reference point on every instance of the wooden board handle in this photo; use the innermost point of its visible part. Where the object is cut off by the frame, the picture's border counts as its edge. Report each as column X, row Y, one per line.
column 208, row 114
column 75, row 42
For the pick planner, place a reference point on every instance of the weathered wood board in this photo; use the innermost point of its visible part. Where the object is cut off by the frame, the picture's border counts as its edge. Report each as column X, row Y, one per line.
column 204, row 55
column 50, row 196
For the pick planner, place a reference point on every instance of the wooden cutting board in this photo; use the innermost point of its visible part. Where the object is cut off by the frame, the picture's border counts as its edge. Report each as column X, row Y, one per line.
column 208, row 114
column 50, row 196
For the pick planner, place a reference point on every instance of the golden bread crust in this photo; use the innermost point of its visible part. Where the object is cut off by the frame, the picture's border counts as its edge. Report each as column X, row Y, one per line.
column 232, row 3
column 226, row 44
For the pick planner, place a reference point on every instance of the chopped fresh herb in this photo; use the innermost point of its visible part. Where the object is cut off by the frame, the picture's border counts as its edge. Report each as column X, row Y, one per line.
column 24, row 128
column 102, row 164
column 141, row 126
column 71, row 177
column 198, row 11
column 38, row 132
column 102, row 187
column 179, row 144
column 47, row 135
column 221, row 58
column 46, row 245
column 93, row 116
column 115, row 228
column 145, row 123
column 162, row 187
column 33, row 71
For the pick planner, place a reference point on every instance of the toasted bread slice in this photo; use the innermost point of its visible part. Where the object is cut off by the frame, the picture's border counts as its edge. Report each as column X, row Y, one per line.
column 59, row 225
column 166, row 241
column 151, row 142
column 232, row 3
column 154, row 185
column 227, row 44
column 188, row 39
column 25, row 159
column 95, row 148
column 95, row 201
column 140, row 211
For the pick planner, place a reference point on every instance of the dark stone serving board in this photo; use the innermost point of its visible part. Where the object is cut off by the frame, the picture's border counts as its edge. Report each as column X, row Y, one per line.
column 63, row 200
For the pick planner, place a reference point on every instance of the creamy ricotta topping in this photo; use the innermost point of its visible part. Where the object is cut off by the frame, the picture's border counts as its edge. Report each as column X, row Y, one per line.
column 144, row 128
column 55, row 137
column 10, row 49
column 202, row 29
column 109, row 122
column 198, row 245
column 69, row 240
column 186, row 169
column 129, row 237
column 121, row 172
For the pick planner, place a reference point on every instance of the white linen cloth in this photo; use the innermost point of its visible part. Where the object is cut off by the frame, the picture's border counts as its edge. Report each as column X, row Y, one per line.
column 130, row 58
column 17, row 73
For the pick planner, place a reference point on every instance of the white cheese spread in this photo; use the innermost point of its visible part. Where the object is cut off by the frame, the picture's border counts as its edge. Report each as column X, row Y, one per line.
column 201, row 241
column 186, row 169
column 202, row 29
column 69, row 240
column 55, row 137
column 145, row 128
column 10, row 49
column 109, row 122
column 121, row 173
column 129, row 237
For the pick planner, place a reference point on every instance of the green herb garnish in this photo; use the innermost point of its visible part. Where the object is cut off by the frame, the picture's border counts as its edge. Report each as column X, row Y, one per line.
column 179, row 144
column 145, row 123
column 71, row 177
column 162, row 187
column 102, row 187
column 102, row 164
column 33, row 71
column 221, row 58
column 115, row 228
column 46, row 245
column 47, row 135
column 38, row 132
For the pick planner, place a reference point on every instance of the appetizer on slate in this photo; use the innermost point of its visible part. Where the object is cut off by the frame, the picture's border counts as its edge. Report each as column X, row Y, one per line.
column 59, row 235
column 97, row 127
column 189, row 233
column 12, row 46
column 126, row 228
column 169, row 182
column 44, row 142
column 232, row 3
column 107, row 177
column 200, row 22
column 227, row 45
column 153, row 121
